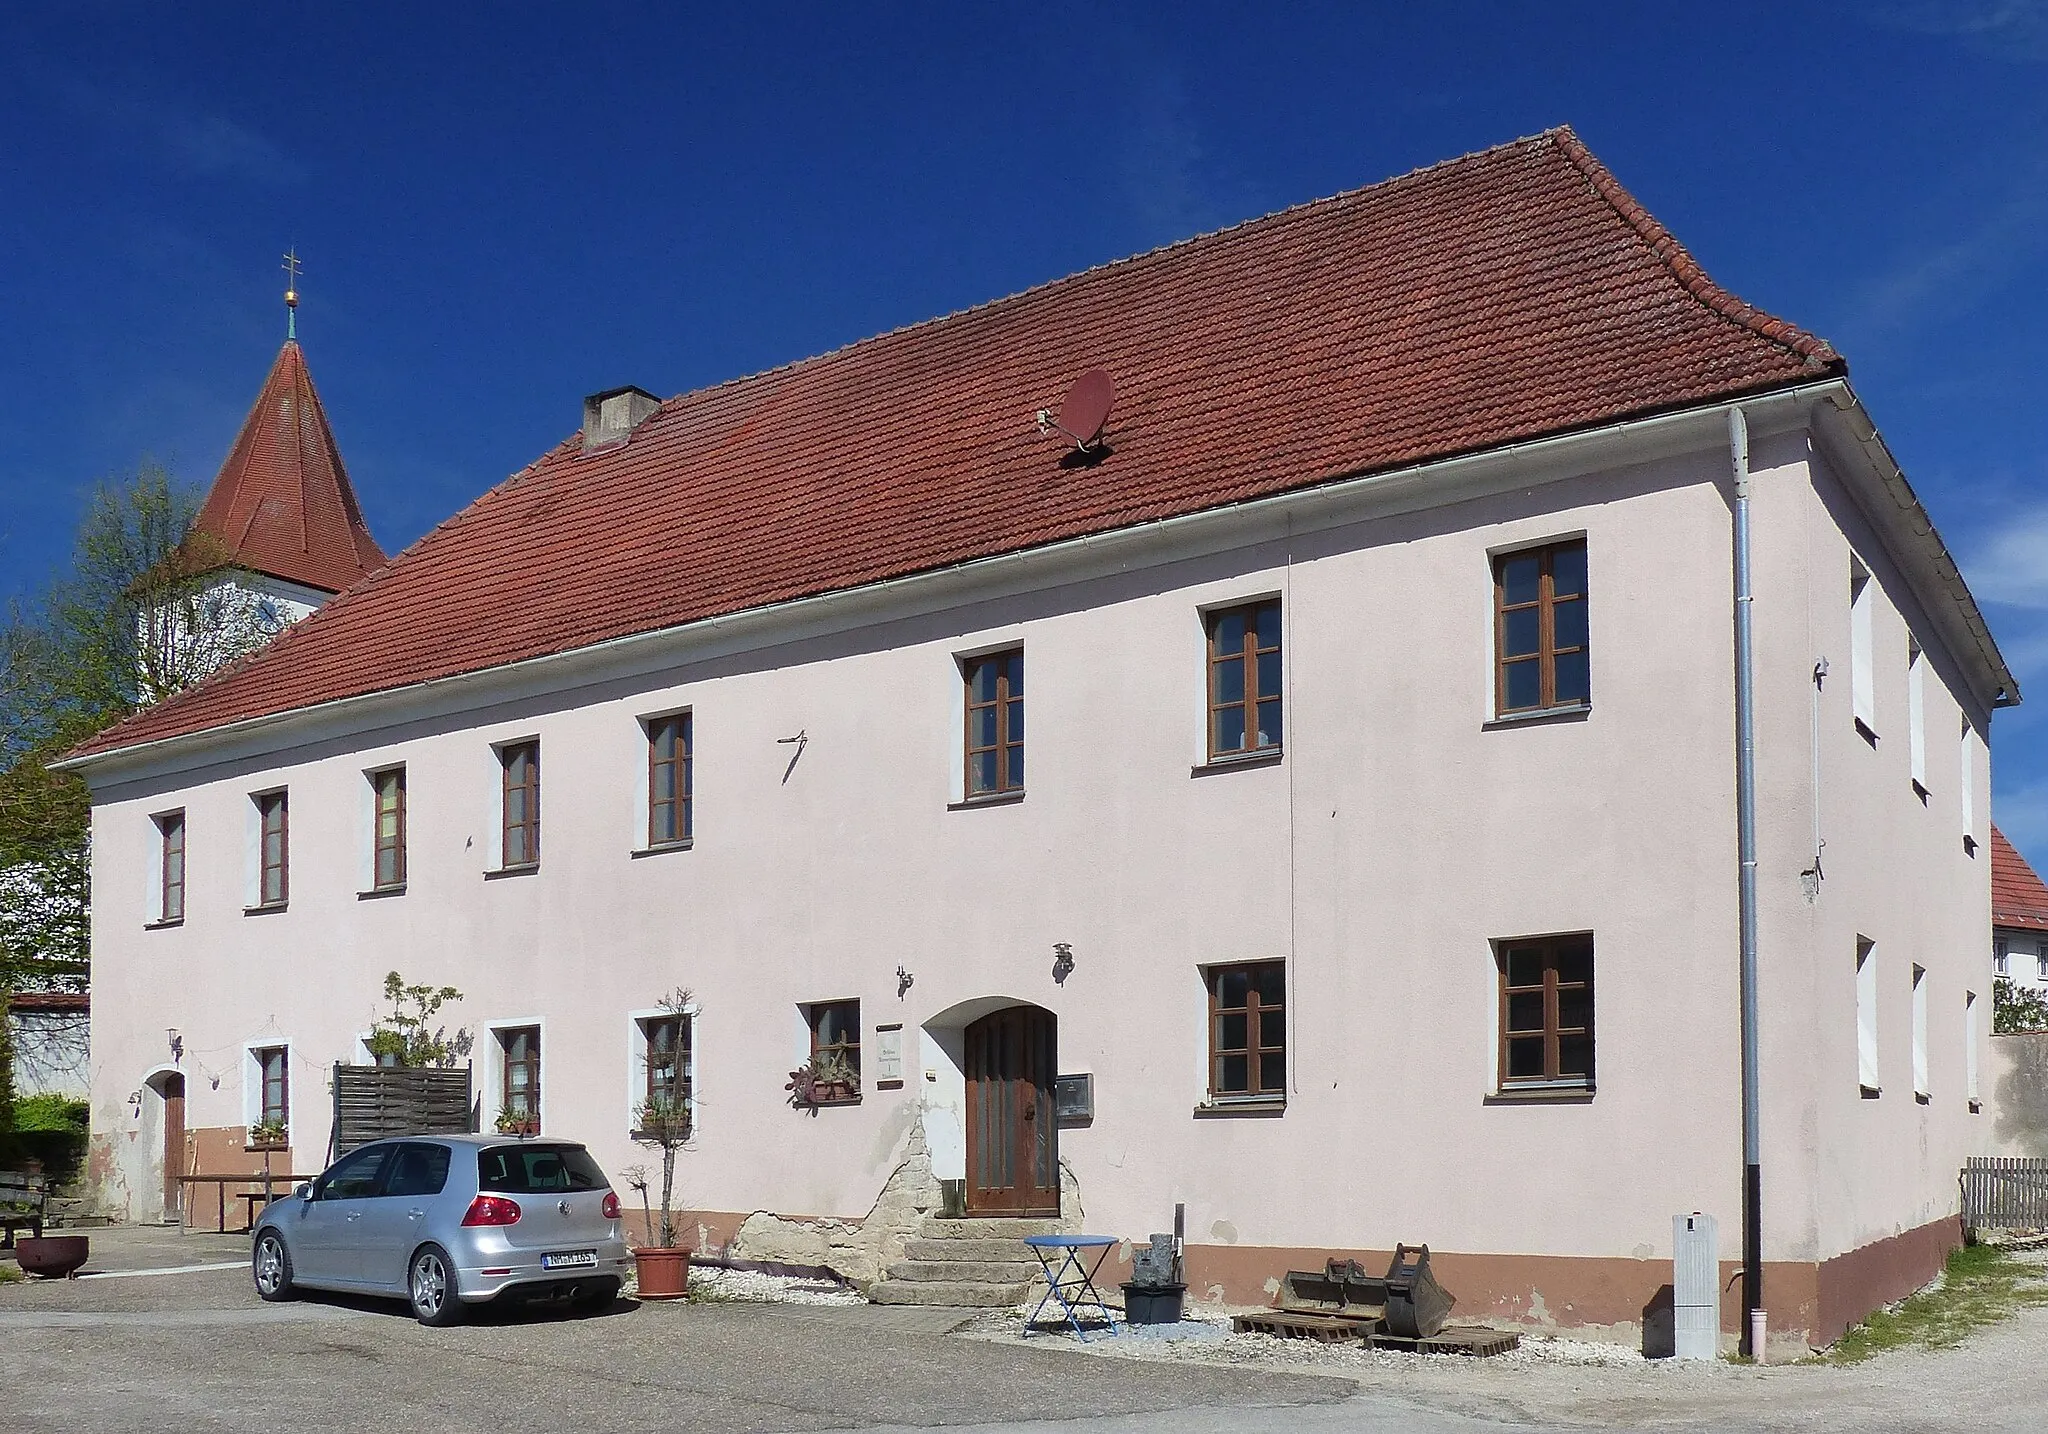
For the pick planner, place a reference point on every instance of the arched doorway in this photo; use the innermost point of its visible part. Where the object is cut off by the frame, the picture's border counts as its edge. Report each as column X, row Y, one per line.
column 170, row 1086
column 1013, row 1149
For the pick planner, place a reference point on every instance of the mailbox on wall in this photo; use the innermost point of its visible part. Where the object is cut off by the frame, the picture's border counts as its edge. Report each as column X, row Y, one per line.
column 1073, row 1098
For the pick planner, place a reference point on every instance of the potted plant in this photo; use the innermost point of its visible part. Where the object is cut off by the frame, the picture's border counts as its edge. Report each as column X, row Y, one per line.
column 515, row 1122
column 665, row 1122
column 268, row 1135
column 826, row 1079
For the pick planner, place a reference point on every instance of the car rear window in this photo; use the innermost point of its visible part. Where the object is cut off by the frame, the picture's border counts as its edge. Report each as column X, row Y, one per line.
column 537, row 1169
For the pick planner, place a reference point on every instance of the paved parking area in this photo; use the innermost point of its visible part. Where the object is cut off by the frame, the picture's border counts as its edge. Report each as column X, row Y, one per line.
column 197, row 1351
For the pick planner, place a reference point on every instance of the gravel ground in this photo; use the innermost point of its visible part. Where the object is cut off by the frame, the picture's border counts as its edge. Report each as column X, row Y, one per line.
column 710, row 1284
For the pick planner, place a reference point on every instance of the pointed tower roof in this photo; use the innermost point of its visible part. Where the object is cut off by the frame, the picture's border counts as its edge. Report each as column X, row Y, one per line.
column 282, row 505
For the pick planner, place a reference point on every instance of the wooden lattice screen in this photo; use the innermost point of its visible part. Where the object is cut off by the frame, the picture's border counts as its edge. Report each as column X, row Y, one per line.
column 374, row 1102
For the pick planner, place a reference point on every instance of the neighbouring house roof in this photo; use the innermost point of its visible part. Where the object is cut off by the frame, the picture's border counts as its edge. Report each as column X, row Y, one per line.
column 1510, row 294
column 282, row 504
column 2018, row 897
column 50, row 1002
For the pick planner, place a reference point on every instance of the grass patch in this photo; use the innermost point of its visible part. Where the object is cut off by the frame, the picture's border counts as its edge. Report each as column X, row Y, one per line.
column 10, row 1275
column 1981, row 1286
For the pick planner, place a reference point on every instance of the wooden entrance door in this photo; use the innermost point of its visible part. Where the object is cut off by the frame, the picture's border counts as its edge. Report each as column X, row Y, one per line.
column 174, row 1145
column 1013, row 1147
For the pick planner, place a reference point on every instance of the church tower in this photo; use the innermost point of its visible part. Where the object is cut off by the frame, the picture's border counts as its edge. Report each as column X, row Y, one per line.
column 280, row 531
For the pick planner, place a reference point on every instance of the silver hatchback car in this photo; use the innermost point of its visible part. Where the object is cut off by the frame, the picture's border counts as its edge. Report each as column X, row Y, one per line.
column 446, row 1221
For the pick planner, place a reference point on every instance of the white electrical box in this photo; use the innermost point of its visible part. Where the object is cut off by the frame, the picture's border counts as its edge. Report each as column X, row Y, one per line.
column 1695, row 1286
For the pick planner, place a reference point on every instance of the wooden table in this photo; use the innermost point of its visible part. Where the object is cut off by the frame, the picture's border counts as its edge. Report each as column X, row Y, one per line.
column 221, row 1181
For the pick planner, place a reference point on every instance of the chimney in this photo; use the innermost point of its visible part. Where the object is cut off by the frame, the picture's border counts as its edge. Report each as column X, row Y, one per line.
column 609, row 418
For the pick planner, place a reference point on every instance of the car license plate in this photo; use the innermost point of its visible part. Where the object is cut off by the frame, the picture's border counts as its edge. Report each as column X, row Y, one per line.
column 569, row 1260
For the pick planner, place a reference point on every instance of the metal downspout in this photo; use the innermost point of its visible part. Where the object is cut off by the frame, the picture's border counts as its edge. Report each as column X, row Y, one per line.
column 1745, row 825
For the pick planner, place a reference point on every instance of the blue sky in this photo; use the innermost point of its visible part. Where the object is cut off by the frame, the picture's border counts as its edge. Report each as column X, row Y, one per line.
column 504, row 207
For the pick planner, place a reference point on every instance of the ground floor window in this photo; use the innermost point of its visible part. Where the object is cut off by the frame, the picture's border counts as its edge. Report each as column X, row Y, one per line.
column 1546, row 1011
column 519, row 1085
column 835, row 1050
column 274, row 1099
column 1248, row 1031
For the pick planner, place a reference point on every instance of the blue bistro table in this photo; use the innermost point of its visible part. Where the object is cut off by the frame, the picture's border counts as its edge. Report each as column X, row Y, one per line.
column 1069, row 1282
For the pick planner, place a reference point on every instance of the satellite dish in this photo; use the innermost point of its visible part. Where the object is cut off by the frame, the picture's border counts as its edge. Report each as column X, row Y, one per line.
column 1086, row 408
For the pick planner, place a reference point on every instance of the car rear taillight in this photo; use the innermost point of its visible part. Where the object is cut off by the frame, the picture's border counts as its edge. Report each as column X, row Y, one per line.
column 491, row 1210
column 610, row 1208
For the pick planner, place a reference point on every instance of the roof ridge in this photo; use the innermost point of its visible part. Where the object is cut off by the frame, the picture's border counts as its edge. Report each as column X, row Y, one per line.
column 1692, row 277
column 1122, row 262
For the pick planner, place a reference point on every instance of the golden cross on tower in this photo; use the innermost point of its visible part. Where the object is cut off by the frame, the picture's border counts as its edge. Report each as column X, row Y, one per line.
column 291, row 292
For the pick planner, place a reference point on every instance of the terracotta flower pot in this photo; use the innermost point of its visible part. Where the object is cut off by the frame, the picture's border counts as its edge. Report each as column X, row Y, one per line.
column 664, row 1272
column 54, row 1257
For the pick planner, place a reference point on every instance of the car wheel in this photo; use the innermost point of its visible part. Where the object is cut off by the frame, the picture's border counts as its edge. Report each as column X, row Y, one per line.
column 271, row 1264
column 430, row 1284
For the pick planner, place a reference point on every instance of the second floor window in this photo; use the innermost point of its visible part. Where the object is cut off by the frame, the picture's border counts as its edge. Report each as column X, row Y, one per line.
column 521, row 836
column 171, row 893
column 1541, row 637
column 1244, row 679
column 388, row 868
column 273, row 849
column 668, row 780
column 995, row 723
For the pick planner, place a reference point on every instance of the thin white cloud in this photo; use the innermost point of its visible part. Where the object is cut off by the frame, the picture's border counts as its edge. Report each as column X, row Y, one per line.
column 2010, row 563
column 2004, row 240
column 2015, row 30
column 203, row 145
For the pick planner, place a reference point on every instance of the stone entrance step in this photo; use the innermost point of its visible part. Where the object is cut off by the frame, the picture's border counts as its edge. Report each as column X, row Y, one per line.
column 991, row 1272
column 964, row 1294
column 926, row 1248
column 985, row 1227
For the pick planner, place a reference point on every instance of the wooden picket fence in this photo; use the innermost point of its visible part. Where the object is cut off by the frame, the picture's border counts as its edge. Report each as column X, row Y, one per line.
column 2004, row 1192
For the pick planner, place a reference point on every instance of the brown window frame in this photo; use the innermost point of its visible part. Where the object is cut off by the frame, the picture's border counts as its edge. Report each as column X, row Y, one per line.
column 528, row 829
column 680, row 764
column 849, row 1050
column 171, row 867
column 1009, row 735
column 1553, row 1033
column 682, row 1046
column 394, row 842
column 1259, row 1043
column 1248, row 651
column 1545, row 604
column 530, row 1063
column 273, row 810
column 278, row 1112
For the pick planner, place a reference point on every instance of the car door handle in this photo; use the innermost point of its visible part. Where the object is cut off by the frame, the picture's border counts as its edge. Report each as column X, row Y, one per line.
column 415, row 1214
column 353, row 1215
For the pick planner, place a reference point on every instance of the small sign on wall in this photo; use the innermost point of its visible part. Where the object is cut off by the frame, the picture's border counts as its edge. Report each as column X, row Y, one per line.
column 888, row 1057
column 1073, row 1098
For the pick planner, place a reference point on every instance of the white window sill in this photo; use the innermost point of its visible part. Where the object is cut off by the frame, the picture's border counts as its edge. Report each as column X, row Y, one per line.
column 1233, row 762
column 265, row 908
column 1574, row 712
column 1245, row 1106
column 377, row 892
column 988, row 799
column 529, row 868
column 164, row 925
column 662, row 848
column 1538, row 1092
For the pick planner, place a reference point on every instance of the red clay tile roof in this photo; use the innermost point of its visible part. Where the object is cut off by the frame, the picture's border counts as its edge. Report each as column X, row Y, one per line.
column 282, row 504
column 1502, row 296
column 2018, row 897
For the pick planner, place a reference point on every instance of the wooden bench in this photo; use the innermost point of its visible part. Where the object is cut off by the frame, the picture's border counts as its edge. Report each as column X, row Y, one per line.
column 22, row 1201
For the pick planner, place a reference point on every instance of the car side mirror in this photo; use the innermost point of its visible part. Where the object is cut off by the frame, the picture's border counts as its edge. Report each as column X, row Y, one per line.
column 305, row 1191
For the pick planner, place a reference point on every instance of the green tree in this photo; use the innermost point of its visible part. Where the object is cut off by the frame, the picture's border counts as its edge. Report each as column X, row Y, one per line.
column 2016, row 1008
column 407, row 1034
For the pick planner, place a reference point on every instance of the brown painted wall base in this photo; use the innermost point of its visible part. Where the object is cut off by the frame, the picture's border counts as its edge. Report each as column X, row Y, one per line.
column 1806, row 1303
column 1853, row 1285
